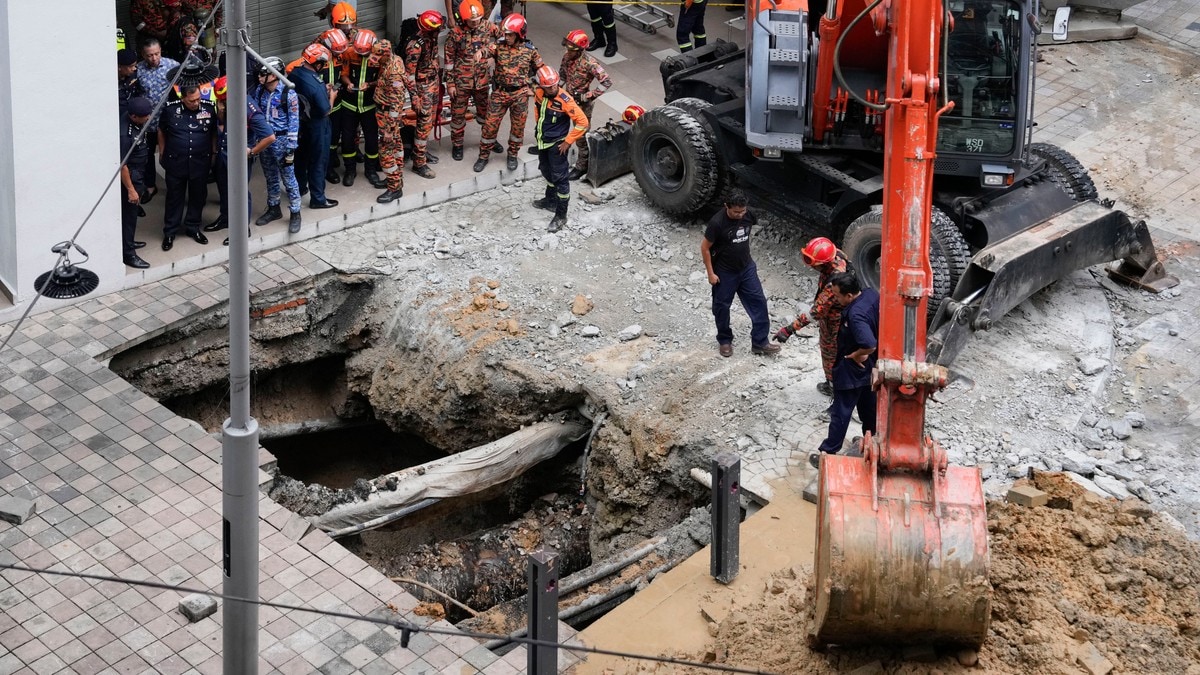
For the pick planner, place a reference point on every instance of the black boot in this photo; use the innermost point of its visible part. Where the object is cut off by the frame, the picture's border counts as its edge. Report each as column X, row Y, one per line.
column 351, row 172
column 331, row 174
column 271, row 214
column 547, row 203
column 430, row 158
column 480, row 164
column 390, row 196
column 423, row 171
column 597, row 43
column 371, row 173
column 456, row 153
column 611, row 37
column 560, row 217
column 576, row 174
column 294, row 223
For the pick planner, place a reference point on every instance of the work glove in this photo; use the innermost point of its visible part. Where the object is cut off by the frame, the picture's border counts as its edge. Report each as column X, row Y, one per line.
column 289, row 158
column 783, row 334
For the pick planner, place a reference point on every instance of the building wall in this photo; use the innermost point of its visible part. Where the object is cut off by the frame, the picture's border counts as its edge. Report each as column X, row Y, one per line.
column 58, row 117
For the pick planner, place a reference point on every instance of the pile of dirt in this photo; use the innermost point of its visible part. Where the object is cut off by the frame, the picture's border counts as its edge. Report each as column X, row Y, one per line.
column 1084, row 584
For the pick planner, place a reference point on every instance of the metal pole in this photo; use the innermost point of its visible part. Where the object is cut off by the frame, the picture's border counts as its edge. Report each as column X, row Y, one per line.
column 726, row 517
column 543, row 612
column 239, row 441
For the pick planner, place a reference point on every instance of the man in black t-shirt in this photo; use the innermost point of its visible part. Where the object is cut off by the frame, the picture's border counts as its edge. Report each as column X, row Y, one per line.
column 731, row 271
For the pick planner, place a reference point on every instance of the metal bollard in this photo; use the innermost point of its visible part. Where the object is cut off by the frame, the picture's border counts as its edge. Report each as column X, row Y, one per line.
column 726, row 516
column 543, row 612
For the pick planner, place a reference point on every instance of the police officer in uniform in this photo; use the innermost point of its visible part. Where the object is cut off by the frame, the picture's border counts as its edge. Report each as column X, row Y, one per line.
column 187, row 141
column 134, row 151
column 128, row 85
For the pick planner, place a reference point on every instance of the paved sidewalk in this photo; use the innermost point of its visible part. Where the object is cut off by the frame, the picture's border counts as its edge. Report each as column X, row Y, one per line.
column 123, row 487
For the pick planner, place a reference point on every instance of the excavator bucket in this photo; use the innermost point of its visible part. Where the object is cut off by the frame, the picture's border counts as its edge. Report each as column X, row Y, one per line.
column 902, row 556
column 608, row 148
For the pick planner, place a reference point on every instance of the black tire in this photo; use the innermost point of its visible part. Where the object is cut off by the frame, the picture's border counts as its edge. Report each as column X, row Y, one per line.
column 948, row 255
column 1066, row 172
column 696, row 107
column 674, row 160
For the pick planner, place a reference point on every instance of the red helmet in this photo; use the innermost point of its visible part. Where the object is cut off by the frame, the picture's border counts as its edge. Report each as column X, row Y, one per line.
column 431, row 20
column 221, row 87
column 343, row 13
column 316, row 53
column 469, row 10
column 514, row 23
column 577, row 38
column 632, row 113
column 547, row 77
column 819, row 251
column 335, row 41
column 363, row 41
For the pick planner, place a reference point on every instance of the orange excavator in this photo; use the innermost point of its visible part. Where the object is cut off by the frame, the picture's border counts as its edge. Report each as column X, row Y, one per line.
column 904, row 130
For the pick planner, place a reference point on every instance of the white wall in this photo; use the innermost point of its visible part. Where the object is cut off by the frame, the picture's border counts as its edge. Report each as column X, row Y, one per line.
column 58, row 118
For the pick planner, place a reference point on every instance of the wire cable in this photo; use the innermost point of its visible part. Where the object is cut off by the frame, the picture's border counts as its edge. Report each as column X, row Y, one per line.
column 158, row 106
column 406, row 628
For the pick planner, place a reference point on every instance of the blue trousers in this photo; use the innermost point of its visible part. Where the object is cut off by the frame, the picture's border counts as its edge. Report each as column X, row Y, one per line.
column 555, row 168
column 276, row 173
column 689, row 31
column 844, row 403
column 223, row 185
column 312, row 157
column 749, row 290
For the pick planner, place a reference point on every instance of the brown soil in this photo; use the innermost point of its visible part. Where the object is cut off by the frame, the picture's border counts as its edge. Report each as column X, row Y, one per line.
column 1081, row 571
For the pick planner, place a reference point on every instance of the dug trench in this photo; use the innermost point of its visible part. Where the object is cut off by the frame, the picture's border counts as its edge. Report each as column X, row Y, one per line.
column 360, row 385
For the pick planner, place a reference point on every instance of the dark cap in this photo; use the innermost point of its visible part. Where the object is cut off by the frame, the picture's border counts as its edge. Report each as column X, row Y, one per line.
column 140, row 106
column 126, row 57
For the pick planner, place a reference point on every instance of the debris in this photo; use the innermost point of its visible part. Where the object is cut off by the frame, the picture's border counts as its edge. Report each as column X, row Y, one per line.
column 630, row 333
column 16, row 510
column 197, row 606
column 1092, row 660
column 581, row 305
column 1112, row 486
column 1027, row 495
column 1090, row 365
column 590, row 331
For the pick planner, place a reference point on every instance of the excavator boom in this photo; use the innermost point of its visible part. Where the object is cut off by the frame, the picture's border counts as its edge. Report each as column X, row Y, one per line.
column 902, row 551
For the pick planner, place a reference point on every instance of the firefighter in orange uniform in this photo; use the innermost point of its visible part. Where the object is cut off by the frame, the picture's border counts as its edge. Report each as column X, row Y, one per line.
column 517, row 60
column 424, row 81
column 357, row 100
column 468, row 75
column 560, row 122
column 824, row 257
column 578, row 70
column 390, row 93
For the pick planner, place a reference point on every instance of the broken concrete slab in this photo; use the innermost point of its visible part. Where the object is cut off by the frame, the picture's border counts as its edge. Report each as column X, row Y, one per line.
column 196, row 607
column 1086, row 484
column 1092, row 660
column 1112, row 486
column 1091, row 365
column 16, row 510
column 1028, row 496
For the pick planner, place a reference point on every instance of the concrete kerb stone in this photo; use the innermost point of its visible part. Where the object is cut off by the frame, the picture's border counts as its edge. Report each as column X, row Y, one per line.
column 196, row 607
column 16, row 510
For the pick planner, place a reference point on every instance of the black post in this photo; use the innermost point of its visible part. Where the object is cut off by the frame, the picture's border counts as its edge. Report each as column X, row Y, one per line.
column 726, row 516
column 543, row 612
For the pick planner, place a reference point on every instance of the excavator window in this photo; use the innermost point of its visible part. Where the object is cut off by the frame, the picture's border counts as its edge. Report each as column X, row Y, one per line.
column 982, row 76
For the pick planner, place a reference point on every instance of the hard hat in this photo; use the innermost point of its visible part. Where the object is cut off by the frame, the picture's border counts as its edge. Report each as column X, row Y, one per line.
column 469, row 10
column 316, row 53
column 379, row 53
column 363, row 41
column 221, row 87
column 275, row 62
column 577, row 38
column 513, row 23
column 546, row 76
column 431, row 21
column 342, row 13
column 335, row 41
column 818, row 251
column 632, row 113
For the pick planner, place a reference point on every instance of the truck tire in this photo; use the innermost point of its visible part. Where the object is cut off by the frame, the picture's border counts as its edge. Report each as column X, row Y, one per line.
column 1065, row 171
column 673, row 160
column 696, row 107
column 863, row 245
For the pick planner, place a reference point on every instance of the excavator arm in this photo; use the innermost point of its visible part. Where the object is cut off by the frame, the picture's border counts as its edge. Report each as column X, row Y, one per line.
column 902, row 552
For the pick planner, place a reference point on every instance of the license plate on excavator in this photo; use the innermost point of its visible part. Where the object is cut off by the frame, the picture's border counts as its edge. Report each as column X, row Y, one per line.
column 902, row 557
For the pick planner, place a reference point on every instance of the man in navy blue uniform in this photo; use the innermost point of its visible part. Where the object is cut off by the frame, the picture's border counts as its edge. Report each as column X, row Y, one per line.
column 133, row 179
column 312, row 157
column 187, row 142
column 857, row 340
column 731, row 271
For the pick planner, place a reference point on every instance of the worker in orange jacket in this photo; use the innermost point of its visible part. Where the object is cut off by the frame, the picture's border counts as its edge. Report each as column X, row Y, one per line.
column 823, row 256
column 560, row 122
